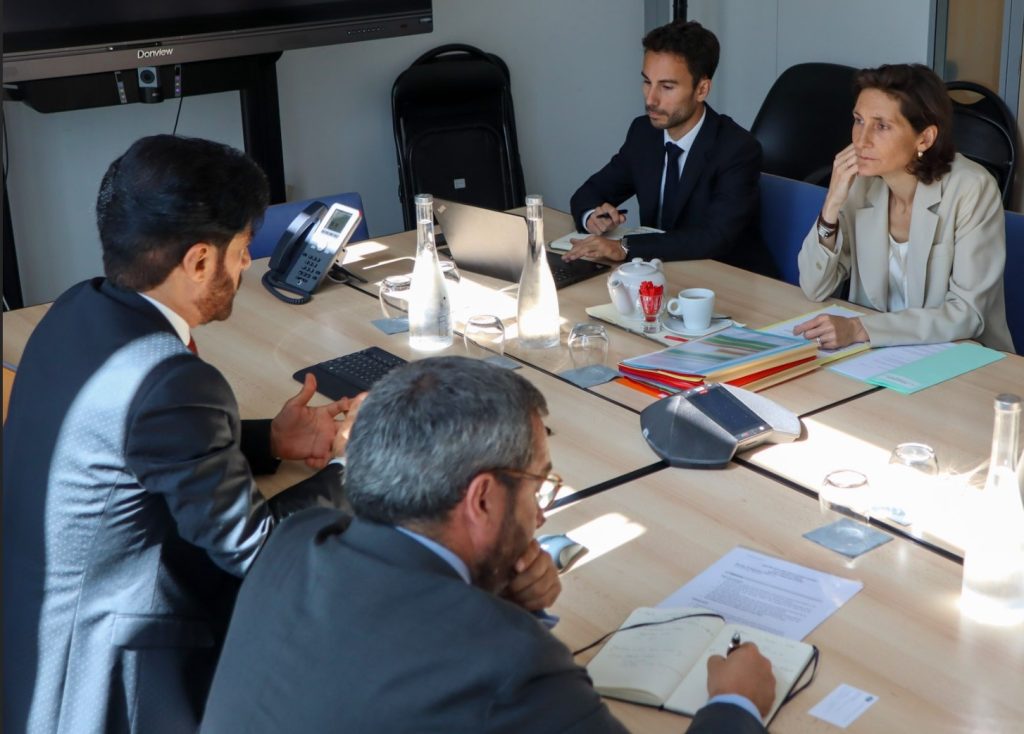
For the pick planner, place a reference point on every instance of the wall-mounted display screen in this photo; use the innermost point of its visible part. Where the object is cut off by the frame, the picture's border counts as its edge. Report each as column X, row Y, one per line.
column 53, row 38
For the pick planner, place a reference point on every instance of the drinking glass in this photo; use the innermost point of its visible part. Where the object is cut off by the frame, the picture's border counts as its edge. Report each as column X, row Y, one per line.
column 394, row 296
column 450, row 270
column 588, row 344
column 650, row 304
column 912, row 468
column 484, row 336
column 846, row 493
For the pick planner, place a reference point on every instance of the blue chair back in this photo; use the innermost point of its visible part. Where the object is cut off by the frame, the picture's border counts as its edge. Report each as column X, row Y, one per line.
column 279, row 216
column 788, row 209
column 1013, row 278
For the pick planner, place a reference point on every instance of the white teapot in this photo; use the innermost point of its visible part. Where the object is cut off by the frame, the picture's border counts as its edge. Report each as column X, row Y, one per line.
column 624, row 285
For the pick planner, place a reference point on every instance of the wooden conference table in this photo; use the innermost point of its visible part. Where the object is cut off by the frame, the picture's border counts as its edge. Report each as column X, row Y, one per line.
column 901, row 638
column 748, row 298
column 265, row 341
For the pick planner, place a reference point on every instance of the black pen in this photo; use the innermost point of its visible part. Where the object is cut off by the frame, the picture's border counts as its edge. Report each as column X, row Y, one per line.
column 733, row 643
column 606, row 215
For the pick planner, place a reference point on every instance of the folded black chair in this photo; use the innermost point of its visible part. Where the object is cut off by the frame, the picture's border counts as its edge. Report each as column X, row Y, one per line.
column 984, row 131
column 805, row 120
column 455, row 130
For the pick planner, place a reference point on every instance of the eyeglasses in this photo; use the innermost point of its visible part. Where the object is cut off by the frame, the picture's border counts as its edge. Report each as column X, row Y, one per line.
column 548, row 489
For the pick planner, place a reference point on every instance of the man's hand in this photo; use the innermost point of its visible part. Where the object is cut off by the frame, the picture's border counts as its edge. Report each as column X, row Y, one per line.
column 303, row 433
column 603, row 219
column 595, row 246
column 746, row 672
column 345, row 427
column 832, row 332
column 536, row 584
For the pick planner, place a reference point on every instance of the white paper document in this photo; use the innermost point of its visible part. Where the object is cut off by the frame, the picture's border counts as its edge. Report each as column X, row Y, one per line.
column 751, row 588
column 883, row 359
column 843, row 706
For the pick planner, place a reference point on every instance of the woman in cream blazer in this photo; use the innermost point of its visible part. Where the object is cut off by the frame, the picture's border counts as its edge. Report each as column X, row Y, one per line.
column 917, row 229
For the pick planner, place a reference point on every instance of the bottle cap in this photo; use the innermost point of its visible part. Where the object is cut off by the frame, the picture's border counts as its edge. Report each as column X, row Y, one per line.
column 1007, row 401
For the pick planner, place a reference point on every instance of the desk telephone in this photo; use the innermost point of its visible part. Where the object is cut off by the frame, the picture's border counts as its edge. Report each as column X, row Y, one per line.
column 308, row 249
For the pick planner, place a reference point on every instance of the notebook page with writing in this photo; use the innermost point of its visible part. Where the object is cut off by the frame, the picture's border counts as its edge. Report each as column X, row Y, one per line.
column 645, row 665
column 789, row 659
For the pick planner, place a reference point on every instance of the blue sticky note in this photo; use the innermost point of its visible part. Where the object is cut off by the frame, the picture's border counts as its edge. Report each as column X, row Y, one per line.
column 500, row 360
column 392, row 326
column 593, row 374
column 848, row 537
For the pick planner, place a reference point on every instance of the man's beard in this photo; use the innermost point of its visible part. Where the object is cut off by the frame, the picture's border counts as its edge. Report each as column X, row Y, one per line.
column 495, row 571
column 216, row 303
column 680, row 118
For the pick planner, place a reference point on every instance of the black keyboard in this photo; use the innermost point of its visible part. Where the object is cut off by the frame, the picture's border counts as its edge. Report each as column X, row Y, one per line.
column 567, row 273
column 351, row 374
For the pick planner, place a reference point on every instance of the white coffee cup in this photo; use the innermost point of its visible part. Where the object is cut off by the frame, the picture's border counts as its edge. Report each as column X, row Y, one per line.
column 695, row 306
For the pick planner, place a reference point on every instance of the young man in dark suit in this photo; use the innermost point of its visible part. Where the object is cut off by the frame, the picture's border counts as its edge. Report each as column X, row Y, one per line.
column 398, row 620
column 130, row 508
column 694, row 172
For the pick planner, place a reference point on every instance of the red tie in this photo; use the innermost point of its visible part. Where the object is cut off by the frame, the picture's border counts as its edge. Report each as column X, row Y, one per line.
column 192, row 346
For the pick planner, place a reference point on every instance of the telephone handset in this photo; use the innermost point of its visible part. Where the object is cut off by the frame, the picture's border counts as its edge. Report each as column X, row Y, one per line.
column 308, row 248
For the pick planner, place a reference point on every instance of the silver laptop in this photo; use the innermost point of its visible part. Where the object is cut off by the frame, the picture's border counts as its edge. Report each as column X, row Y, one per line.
column 494, row 243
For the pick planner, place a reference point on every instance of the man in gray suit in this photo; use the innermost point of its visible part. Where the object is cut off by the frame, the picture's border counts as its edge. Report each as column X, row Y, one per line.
column 130, row 508
column 398, row 620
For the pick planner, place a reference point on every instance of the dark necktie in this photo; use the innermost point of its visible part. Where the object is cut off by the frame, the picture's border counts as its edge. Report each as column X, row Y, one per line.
column 192, row 346
column 671, row 194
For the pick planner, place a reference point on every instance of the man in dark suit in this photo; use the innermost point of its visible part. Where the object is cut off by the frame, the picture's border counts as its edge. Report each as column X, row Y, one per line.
column 129, row 502
column 694, row 172
column 398, row 620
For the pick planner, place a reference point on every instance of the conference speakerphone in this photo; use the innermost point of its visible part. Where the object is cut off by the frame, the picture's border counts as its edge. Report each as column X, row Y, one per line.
column 705, row 426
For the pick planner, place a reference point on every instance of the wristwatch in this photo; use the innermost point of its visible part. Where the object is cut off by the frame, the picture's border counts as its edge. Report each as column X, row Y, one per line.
column 625, row 247
column 826, row 230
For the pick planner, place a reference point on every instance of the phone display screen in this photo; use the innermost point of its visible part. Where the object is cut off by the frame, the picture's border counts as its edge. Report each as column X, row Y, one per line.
column 726, row 410
column 337, row 223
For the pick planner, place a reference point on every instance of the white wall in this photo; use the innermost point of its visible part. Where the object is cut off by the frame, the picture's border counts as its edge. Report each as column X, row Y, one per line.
column 575, row 74
column 575, row 68
column 762, row 38
column 55, row 166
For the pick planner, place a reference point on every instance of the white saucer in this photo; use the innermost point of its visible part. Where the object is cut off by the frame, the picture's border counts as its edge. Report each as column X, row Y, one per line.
column 676, row 326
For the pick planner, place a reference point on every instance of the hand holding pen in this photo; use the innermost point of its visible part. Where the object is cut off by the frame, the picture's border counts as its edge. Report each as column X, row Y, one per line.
column 605, row 218
column 734, row 643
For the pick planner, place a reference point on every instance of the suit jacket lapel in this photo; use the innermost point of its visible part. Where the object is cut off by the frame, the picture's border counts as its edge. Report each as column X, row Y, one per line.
column 871, row 225
column 696, row 159
column 923, row 221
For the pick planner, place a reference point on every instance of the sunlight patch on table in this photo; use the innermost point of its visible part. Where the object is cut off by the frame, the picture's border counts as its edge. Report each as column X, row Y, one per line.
column 605, row 533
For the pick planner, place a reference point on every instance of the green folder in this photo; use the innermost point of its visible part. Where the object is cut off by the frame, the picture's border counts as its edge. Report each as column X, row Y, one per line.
column 936, row 368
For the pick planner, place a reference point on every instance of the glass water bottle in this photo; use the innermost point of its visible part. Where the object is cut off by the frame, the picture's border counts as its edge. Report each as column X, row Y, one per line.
column 430, row 317
column 538, row 320
column 993, row 583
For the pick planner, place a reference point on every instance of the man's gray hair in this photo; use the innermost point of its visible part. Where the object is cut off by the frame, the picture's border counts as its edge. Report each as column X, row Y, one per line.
column 428, row 428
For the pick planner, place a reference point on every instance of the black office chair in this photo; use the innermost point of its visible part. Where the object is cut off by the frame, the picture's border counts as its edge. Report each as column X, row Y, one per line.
column 985, row 132
column 805, row 120
column 455, row 131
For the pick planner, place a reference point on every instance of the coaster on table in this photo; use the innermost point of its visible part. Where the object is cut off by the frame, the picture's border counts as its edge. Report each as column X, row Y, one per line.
column 500, row 360
column 836, row 536
column 392, row 326
column 592, row 374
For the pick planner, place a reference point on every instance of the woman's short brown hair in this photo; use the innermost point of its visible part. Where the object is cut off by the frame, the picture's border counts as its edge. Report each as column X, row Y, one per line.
column 923, row 101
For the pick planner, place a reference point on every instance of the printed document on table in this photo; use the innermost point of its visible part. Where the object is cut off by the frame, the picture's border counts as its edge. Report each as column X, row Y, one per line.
column 883, row 359
column 751, row 588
